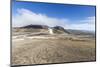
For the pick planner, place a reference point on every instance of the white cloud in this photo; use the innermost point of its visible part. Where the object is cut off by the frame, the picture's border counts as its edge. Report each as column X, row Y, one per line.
column 26, row 17
column 86, row 24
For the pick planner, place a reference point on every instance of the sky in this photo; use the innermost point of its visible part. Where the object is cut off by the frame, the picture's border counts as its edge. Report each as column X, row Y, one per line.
column 69, row 16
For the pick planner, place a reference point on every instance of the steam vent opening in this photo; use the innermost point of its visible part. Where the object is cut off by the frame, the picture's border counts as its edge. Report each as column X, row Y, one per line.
column 50, row 30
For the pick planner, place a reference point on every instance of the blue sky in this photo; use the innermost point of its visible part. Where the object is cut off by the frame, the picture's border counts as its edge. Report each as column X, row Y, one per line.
column 67, row 14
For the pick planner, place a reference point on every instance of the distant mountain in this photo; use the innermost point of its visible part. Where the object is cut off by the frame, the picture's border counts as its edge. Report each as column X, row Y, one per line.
column 36, row 26
column 42, row 28
column 82, row 32
column 59, row 30
column 56, row 30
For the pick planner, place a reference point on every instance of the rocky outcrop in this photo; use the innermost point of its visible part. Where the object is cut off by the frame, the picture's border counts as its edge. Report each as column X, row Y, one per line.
column 36, row 26
column 43, row 29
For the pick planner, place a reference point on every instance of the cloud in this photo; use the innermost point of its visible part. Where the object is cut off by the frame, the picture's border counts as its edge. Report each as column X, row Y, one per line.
column 25, row 17
column 86, row 24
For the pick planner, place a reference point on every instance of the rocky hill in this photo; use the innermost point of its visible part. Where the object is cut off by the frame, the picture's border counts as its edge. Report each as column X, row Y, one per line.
column 35, row 26
column 44, row 29
column 41, row 28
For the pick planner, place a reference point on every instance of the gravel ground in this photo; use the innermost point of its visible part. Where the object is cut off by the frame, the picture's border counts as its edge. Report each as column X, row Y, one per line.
column 51, row 50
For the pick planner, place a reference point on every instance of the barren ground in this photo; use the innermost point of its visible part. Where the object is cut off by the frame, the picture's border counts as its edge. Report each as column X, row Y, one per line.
column 51, row 49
